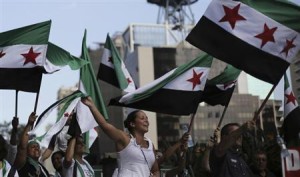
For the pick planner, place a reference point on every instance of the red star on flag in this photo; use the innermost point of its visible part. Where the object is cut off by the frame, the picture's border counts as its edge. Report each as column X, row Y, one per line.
column 128, row 80
column 232, row 15
column 290, row 98
column 30, row 56
column 1, row 54
column 110, row 59
column 288, row 46
column 66, row 114
column 266, row 35
column 195, row 79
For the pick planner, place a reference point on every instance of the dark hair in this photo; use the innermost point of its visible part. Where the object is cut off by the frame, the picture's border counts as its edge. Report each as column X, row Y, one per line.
column 225, row 129
column 130, row 118
column 3, row 148
column 260, row 151
column 57, row 152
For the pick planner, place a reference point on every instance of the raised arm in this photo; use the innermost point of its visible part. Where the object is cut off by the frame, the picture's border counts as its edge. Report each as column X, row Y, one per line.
column 69, row 153
column 227, row 141
column 119, row 136
column 172, row 149
column 22, row 148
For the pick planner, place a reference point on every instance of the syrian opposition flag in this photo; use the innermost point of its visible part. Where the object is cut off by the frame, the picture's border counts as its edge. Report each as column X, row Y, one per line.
column 89, row 138
column 219, row 89
column 88, row 84
column 247, row 39
column 112, row 68
column 69, row 103
column 282, row 11
column 57, row 58
column 291, row 123
column 178, row 92
column 22, row 57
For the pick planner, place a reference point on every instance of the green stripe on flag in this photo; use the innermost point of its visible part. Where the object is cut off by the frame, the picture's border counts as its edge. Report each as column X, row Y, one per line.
column 67, row 103
column 117, row 62
column 282, row 11
column 286, row 83
column 229, row 74
column 90, row 83
column 33, row 34
column 60, row 57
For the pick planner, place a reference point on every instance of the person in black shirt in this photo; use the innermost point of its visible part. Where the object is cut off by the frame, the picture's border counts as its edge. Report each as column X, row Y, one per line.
column 226, row 157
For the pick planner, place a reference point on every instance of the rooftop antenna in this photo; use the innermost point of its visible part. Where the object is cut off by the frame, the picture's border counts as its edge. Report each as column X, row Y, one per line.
column 176, row 13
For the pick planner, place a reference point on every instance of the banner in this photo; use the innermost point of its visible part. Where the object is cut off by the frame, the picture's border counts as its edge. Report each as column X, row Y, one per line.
column 291, row 164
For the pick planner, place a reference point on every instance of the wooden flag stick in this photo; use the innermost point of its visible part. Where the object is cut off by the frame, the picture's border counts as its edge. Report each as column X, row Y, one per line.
column 16, row 104
column 263, row 103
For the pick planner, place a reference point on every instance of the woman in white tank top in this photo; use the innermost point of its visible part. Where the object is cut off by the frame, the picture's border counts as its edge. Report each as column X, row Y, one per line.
column 136, row 155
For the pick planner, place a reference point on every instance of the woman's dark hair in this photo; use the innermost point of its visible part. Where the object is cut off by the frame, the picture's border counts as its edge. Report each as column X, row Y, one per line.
column 130, row 118
column 3, row 148
column 57, row 152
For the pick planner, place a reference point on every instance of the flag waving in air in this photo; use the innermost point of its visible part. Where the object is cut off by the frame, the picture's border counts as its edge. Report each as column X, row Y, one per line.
column 291, row 123
column 22, row 57
column 178, row 92
column 88, row 84
column 57, row 58
column 282, row 11
column 69, row 103
column 219, row 89
column 112, row 68
column 245, row 38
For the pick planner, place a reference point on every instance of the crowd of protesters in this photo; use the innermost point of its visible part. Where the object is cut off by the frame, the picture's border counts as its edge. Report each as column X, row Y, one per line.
column 230, row 152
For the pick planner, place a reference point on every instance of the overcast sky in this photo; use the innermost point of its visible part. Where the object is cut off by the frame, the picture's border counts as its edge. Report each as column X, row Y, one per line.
column 69, row 19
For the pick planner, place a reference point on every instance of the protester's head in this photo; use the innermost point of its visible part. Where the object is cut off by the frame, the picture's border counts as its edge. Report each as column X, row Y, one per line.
column 137, row 121
column 260, row 160
column 56, row 160
column 33, row 149
column 228, row 128
column 3, row 148
column 79, row 146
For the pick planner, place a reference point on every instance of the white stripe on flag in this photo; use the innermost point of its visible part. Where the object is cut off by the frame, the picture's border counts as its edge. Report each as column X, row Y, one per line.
column 59, row 124
column 14, row 59
column 252, row 26
column 181, row 83
column 288, row 108
column 85, row 118
column 105, row 58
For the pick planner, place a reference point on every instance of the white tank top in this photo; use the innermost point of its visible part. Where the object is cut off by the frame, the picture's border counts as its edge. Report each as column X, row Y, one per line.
column 132, row 162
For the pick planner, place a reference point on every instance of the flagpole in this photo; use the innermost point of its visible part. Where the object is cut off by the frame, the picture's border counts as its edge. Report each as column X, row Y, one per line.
column 222, row 117
column 16, row 104
column 191, row 122
column 36, row 101
column 263, row 103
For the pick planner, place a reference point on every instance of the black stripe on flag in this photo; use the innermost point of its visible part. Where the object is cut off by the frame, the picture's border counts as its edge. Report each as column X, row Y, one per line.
column 214, row 40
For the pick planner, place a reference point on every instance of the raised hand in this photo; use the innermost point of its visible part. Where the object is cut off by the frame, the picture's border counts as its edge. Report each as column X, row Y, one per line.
column 32, row 118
